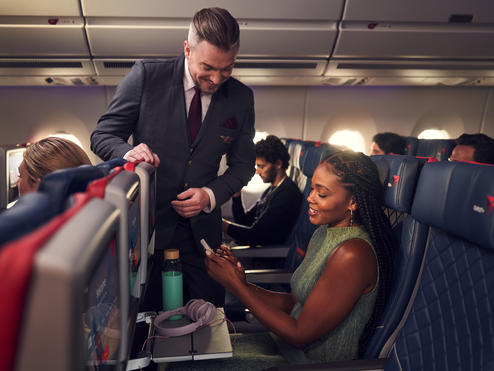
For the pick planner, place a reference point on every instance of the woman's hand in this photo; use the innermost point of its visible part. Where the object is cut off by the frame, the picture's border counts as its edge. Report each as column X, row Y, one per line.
column 224, row 268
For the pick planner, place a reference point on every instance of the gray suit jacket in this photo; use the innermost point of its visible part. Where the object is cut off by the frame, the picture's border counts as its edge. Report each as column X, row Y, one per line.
column 150, row 104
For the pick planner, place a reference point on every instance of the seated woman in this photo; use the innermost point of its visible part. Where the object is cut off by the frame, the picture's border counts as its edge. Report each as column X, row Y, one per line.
column 339, row 290
column 45, row 156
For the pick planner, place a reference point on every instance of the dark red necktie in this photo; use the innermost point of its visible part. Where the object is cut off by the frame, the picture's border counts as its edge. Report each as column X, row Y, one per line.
column 195, row 114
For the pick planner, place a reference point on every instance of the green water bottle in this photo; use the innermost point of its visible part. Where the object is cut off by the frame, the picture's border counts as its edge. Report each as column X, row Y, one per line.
column 171, row 280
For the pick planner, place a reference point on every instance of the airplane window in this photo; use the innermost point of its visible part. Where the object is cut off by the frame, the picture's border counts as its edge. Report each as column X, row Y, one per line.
column 260, row 135
column 348, row 138
column 434, row 134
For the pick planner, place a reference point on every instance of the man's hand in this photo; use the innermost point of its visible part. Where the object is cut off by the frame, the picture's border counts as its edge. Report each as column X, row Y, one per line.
column 144, row 153
column 191, row 202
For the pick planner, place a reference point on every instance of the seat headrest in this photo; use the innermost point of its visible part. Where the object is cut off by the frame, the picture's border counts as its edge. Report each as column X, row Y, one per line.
column 438, row 148
column 458, row 198
column 29, row 212
column 108, row 165
column 60, row 184
column 313, row 157
column 399, row 175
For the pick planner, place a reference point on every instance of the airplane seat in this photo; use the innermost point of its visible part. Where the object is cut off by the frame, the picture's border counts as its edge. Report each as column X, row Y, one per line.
column 107, row 166
column 303, row 229
column 16, row 262
column 296, row 149
column 399, row 175
column 60, row 184
column 73, row 294
column 411, row 145
column 147, row 183
column 450, row 324
column 29, row 212
column 439, row 148
column 121, row 188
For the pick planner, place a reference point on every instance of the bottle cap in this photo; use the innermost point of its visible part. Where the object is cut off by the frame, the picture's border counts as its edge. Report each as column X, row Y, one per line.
column 171, row 254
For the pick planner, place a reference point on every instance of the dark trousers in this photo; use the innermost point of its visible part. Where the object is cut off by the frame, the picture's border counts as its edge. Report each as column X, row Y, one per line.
column 197, row 284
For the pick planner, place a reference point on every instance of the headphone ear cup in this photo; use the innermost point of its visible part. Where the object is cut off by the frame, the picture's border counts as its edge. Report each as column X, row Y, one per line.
column 199, row 311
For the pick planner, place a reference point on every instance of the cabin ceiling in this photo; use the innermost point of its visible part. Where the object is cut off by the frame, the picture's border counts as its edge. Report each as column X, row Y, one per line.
column 283, row 42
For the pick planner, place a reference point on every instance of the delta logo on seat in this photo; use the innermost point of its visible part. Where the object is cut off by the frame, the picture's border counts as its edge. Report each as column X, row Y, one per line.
column 396, row 179
column 489, row 207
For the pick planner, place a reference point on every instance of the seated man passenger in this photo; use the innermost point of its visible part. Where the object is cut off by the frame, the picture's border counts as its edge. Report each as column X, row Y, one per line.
column 340, row 288
column 46, row 156
column 388, row 144
column 272, row 218
column 473, row 147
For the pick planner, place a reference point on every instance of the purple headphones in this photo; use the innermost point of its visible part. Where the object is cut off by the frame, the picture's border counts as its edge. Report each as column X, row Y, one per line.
column 201, row 312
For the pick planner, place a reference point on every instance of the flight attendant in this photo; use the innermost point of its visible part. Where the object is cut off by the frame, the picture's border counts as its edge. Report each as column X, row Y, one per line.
column 184, row 114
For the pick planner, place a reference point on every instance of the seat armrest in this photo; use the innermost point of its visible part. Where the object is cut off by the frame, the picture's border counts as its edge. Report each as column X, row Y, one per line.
column 268, row 251
column 268, row 275
column 358, row 364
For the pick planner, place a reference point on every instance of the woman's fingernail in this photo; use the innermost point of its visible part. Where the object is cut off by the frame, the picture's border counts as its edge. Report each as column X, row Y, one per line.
column 239, row 265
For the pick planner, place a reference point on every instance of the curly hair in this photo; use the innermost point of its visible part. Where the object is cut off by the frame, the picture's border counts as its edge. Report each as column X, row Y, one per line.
column 360, row 176
column 272, row 149
column 390, row 143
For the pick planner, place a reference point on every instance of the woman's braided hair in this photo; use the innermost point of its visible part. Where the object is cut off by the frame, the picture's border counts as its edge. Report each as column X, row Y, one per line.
column 360, row 176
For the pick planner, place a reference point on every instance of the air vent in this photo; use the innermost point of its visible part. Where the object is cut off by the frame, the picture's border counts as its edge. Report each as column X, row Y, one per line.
column 40, row 64
column 276, row 65
column 118, row 64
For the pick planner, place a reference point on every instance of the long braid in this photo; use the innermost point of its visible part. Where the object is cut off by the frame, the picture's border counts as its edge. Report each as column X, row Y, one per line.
column 359, row 174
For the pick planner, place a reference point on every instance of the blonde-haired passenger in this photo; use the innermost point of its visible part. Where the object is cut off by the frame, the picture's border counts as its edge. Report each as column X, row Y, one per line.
column 46, row 156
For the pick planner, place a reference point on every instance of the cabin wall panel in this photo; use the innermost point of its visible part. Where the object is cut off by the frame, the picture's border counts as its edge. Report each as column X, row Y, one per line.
column 311, row 113
column 30, row 113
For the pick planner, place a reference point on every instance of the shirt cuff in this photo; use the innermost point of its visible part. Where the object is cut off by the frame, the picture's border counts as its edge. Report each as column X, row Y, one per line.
column 126, row 154
column 212, row 201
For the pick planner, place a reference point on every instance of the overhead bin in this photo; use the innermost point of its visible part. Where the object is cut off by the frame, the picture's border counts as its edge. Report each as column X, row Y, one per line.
column 269, row 29
column 253, row 9
column 441, row 11
column 422, row 29
column 51, row 28
column 66, row 8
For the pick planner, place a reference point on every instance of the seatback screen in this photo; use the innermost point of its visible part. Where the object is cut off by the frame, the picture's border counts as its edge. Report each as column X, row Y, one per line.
column 101, row 318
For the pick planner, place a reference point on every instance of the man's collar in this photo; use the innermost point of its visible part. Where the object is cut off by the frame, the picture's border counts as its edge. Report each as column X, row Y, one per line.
column 188, row 82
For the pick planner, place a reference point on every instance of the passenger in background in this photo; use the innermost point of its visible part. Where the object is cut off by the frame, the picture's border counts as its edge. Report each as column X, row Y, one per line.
column 473, row 147
column 388, row 144
column 340, row 288
column 272, row 218
column 45, row 156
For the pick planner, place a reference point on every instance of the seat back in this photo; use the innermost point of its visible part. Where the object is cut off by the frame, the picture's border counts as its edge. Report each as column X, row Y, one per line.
column 121, row 189
column 73, row 295
column 147, row 184
column 450, row 325
column 411, row 145
column 399, row 175
column 439, row 148
column 60, row 184
column 30, row 212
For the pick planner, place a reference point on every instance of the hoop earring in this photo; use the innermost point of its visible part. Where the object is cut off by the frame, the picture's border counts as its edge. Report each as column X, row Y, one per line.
column 351, row 218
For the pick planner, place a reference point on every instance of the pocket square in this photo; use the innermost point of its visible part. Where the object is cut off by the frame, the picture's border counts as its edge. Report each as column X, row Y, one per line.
column 231, row 123
column 226, row 139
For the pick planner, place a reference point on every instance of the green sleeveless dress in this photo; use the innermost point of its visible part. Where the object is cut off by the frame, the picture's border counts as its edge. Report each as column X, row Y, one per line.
column 342, row 342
